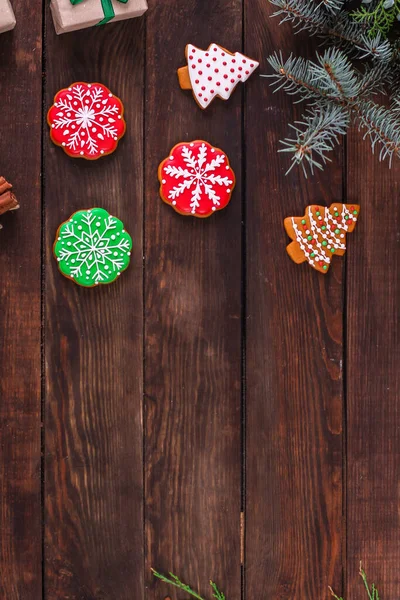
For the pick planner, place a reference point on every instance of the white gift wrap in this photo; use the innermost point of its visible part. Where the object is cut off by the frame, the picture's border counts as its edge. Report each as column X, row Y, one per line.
column 69, row 17
column 7, row 17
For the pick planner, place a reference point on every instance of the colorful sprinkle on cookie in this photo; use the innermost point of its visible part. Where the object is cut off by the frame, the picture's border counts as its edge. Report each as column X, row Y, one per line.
column 86, row 120
column 196, row 179
column 92, row 247
column 320, row 234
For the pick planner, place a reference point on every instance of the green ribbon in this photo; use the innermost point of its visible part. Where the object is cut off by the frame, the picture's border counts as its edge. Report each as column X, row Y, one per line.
column 107, row 7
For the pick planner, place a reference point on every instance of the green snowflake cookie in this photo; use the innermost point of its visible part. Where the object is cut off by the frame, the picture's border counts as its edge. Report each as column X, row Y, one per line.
column 92, row 247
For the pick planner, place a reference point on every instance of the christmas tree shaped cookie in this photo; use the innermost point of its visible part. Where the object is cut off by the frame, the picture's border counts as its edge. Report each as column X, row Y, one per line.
column 86, row 120
column 92, row 247
column 320, row 234
column 214, row 72
column 196, row 179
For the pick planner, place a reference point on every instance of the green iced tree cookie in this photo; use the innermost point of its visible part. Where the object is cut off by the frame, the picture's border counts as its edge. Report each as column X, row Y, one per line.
column 92, row 247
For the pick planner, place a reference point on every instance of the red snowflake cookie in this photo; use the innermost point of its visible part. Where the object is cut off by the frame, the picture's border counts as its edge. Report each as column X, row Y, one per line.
column 196, row 179
column 86, row 120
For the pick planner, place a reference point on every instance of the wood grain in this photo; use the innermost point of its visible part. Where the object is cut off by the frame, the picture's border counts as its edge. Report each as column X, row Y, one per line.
column 311, row 512
column 294, row 331
column 20, row 284
column 93, row 343
column 192, row 320
column 373, row 375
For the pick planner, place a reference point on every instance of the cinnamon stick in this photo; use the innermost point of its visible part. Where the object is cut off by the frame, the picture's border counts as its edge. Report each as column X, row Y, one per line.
column 4, row 185
column 7, row 199
column 8, row 202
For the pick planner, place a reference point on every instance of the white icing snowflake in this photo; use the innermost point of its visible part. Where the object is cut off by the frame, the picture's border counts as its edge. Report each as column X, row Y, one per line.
column 86, row 117
column 198, row 175
column 92, row 247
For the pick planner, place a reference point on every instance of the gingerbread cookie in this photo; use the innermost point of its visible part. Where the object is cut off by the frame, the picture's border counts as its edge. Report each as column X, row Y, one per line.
column 8, row 201
column 86, row 120
column 320, row 234
column 214, row 72
column 92, row 247
column 196, row 179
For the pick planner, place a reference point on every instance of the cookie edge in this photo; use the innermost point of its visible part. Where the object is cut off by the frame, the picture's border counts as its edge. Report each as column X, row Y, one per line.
column 71, row 278
column 166, row 201
column 64, row 147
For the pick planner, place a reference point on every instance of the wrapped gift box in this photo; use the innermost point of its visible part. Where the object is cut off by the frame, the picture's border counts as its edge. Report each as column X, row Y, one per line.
column 7, row 17
column 70, row 15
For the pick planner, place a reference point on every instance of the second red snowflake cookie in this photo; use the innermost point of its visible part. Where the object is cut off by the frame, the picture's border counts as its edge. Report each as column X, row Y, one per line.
column 86, row 120
column 196, row 179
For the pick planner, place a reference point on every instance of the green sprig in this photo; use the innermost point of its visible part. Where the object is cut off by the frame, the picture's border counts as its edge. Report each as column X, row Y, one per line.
column 176, row 582
column 379, row 18
column 334, row 595
column 371, row 590
column 217, row 594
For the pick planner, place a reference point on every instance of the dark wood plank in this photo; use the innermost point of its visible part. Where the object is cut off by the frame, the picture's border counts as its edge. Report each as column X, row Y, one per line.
column 20, row 281
column 373, row 374
column 294, row 354
column 192, row 323
column 93, row 343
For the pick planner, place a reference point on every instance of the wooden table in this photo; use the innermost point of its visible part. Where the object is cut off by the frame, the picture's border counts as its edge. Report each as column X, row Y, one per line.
column 216, row 383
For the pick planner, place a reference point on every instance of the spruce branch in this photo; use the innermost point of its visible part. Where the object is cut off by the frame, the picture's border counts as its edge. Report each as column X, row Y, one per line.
column 176, row 582
column 339, row 91
column 333, row 6
column 375, row 79
column 396, row 106
column 394, row 80
column 316, row 135
column 335, row 76
column 294, row 77
column 339, row 27
column 382, row 127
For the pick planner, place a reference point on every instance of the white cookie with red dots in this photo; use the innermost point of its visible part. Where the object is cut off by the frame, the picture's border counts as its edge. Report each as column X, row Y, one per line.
column 214, row 72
